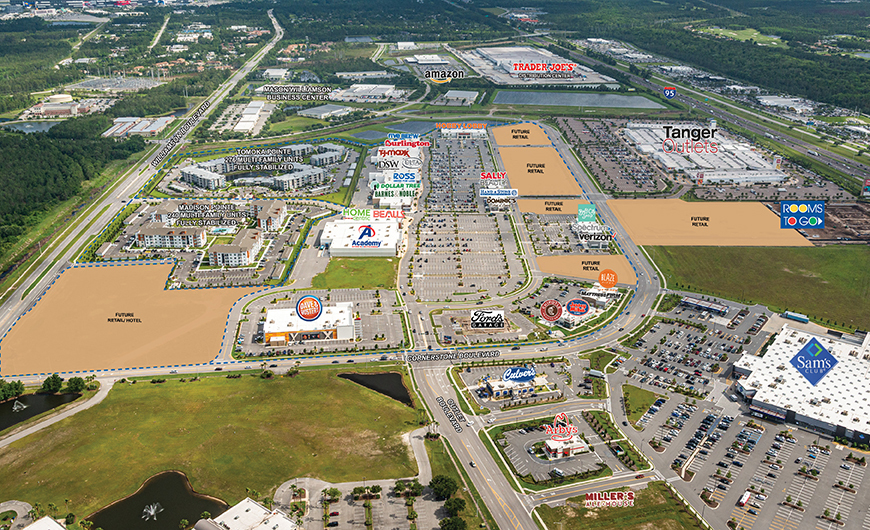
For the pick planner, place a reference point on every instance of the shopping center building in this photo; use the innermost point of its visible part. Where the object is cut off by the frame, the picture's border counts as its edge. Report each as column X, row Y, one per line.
column 351, row 238
column 284, row 326
column 779, row 385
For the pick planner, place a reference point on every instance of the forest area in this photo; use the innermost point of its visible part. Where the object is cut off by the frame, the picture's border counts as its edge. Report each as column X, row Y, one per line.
column 800, row 69
column 29, row 49
column 68, row 154
column 165, row 98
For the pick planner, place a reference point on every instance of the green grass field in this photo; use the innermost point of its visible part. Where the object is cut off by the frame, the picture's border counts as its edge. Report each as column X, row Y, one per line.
column 225, row 434
column 654, row 508
column 825, row 283
column 337, row 197
column 598, row 359
column 746, row 34
column 223, row 240
column 637, row 401
column 361, row 273
column 441, row 464
column 293, row 124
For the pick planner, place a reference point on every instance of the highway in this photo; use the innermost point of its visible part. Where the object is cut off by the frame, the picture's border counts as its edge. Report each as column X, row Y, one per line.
column 857, row 170
column 510, row 509
column 115, row 200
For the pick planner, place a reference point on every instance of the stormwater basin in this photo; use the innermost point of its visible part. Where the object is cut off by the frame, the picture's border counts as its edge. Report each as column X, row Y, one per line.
column 161, row 502
column 389, row 384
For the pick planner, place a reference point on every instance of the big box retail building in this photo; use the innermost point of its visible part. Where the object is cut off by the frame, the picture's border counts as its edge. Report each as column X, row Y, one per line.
column 283, row 326
column 350, row 238
column 837, row 404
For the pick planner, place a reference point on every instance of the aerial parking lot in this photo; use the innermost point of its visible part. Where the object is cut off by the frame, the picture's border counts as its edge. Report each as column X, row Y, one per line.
column 606, row 154
column 694, row 350
column 378, row 326
column 454, row 171
column 462, row 257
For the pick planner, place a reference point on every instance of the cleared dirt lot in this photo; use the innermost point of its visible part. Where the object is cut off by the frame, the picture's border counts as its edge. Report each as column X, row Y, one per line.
column 520, row 134
column 69, row 329
column 678, row 223
column 538, row 171
column 550, row 206
column 588, row 267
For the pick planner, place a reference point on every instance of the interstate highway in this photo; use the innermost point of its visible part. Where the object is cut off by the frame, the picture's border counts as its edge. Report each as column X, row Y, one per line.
column 855, row 169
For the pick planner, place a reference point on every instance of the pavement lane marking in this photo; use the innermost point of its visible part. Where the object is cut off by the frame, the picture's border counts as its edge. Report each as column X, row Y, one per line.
column 505, row 508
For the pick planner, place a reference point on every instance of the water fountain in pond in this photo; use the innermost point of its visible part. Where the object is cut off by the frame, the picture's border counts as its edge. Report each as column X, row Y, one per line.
column 151, row 511
column 18, row 406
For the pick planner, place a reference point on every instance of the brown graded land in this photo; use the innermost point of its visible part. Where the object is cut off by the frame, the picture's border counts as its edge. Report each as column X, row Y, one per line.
column 69, row 329
column 573, row 266
column 669, row 222
column 559, row 206
column 525, row 174
column 521, row 134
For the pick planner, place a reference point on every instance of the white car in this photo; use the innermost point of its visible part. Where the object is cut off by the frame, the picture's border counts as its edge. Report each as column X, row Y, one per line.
column 761, row 497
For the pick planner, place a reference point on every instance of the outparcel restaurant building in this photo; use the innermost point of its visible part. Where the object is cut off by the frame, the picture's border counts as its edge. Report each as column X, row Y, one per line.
column 838, row 404
column 285, row 326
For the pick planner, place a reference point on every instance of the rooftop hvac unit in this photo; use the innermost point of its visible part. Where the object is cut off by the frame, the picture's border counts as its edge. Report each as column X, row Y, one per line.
column 826, row 400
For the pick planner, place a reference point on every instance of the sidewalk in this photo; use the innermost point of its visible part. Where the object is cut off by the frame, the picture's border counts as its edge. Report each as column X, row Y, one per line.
column 105, row 386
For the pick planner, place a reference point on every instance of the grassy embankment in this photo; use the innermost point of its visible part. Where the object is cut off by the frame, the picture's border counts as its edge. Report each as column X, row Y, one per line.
column 225, row 434
column 829, row 284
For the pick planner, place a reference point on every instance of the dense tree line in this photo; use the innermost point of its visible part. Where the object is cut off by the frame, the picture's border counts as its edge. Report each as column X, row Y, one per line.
column 837, row 80
column 803, row 21
column 29, row 49
column 133, row 32
column 39, row 170
column 165, row 98
column 10, row 390
column 333, row 20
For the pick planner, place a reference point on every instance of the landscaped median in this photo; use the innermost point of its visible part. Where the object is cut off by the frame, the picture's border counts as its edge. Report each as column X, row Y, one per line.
column 527, row 483
column 619, row 444
column 637, row 401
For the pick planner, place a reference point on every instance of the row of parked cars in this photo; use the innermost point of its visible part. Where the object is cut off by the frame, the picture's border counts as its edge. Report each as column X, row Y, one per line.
column 683, row 412
column 655, row 407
